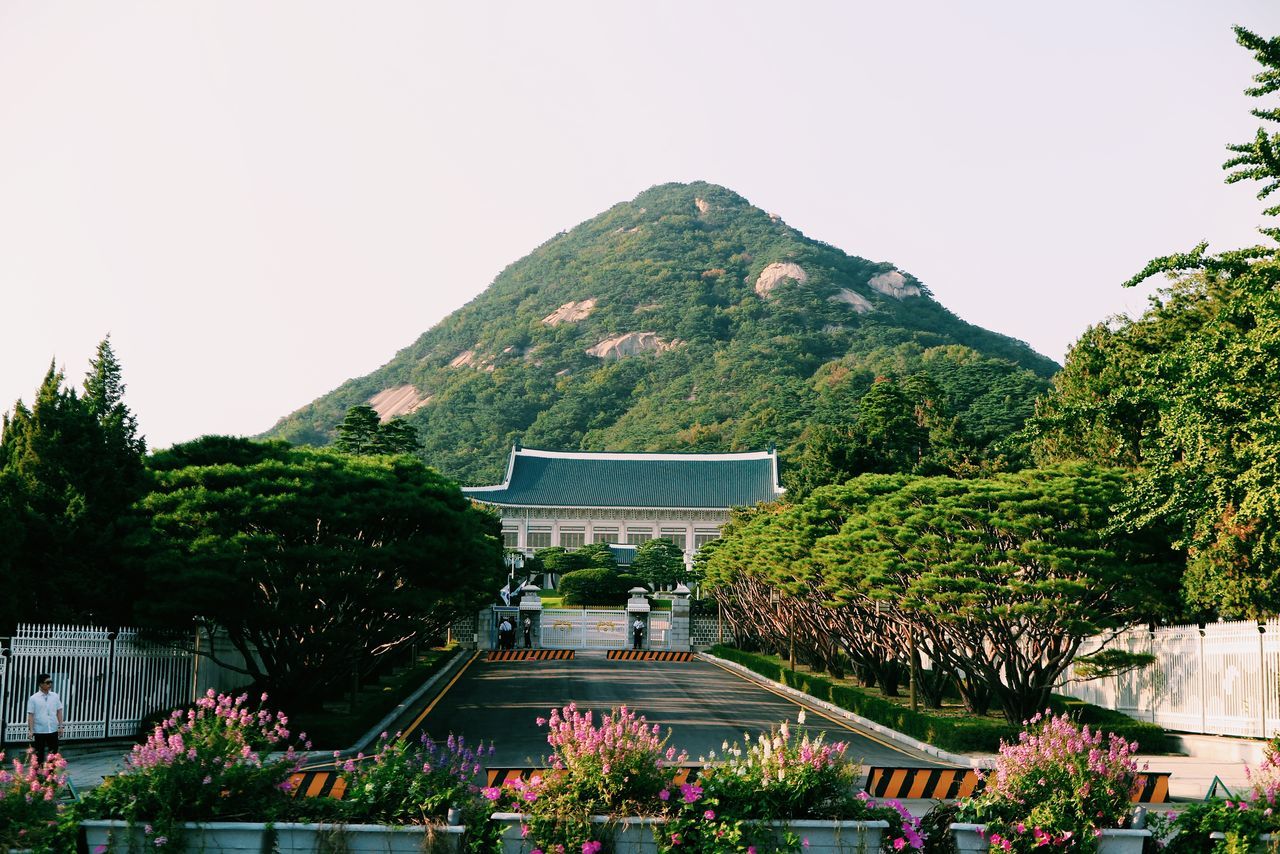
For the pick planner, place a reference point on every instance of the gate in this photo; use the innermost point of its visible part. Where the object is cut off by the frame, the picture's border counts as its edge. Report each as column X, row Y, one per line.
column 587, row 628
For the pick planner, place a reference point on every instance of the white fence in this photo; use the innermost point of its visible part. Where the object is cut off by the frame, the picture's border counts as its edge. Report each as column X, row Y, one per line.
column 1222, row 678
column 108, row 681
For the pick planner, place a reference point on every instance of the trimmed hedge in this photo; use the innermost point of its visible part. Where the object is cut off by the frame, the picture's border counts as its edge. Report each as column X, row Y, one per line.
column 963, row 735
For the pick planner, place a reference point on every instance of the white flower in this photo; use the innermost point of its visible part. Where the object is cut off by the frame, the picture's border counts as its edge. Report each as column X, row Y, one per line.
column 800, row 718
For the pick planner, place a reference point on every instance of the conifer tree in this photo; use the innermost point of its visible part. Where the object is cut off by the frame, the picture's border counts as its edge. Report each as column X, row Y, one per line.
column 70, row 471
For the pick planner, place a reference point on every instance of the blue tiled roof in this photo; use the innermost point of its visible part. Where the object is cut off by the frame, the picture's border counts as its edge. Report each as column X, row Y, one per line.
column 584, row 479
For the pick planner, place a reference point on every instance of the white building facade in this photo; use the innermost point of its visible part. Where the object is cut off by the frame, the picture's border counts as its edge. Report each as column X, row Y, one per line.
column 576, row 498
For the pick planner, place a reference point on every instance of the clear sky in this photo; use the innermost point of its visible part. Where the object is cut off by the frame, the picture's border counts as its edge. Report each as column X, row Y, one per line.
column 259, row 200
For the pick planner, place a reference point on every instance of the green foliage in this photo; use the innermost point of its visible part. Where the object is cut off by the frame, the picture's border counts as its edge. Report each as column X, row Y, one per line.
column 744, row 372
column 317, row 562
column 1181, row 394
column 362, row 432
column 1110, row 662
column 961, row 735
column 596, row 587
column 660, row 563
column 70, row 471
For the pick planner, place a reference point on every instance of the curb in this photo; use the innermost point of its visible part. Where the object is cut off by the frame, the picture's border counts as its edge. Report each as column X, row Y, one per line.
column 865, row 723
column 369, row 738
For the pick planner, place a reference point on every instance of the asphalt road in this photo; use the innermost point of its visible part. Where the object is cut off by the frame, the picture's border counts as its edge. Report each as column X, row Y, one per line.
column 701, row 703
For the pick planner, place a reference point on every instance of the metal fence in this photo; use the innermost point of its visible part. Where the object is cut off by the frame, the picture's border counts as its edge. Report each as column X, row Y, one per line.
column 109, row 681
column 1220, row 678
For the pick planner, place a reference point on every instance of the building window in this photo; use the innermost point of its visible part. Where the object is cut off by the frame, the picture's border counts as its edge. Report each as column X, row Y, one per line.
column 701, row 537
column 573, row 538
column 605, row 535
column 510, row 538
column 636, row 536
column 675, row 535
column 539, row 537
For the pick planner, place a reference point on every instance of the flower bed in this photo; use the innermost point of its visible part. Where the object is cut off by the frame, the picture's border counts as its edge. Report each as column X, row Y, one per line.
column 609, row 786
column 29, row 809
column 1059, row 785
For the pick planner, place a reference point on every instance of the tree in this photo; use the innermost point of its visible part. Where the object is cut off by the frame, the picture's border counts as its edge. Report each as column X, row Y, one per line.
column 70, row 472
column 314, row 562
column 1003, row 578
column 660, row 563
column 362, row 432
column 1186, row 396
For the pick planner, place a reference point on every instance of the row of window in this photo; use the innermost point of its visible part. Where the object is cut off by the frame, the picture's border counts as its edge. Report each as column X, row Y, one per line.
column 539, row 536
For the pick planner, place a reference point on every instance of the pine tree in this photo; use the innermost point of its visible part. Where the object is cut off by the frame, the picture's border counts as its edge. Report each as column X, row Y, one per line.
column 70, row 472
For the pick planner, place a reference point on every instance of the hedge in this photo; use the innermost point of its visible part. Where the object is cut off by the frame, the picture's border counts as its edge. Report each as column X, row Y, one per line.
column 961, row 735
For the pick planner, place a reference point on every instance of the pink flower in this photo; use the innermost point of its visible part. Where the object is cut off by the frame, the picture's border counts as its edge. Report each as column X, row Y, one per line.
column 491, row 793
column 709, row 815
column 591, row 847
column 664, row 795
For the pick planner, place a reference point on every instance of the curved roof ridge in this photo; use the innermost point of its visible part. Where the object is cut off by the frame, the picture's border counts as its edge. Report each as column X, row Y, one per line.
column 679, row 456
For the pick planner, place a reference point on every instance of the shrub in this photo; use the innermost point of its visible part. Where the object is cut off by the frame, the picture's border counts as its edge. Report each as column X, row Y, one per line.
column 1242, row 819
column 595, row 587
column 207, row 763
column 29, row 809
column 616, row 768
column 1058, row 784
column 778, row 778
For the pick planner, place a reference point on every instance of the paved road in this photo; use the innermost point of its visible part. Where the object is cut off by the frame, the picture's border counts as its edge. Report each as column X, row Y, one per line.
column 702, row 703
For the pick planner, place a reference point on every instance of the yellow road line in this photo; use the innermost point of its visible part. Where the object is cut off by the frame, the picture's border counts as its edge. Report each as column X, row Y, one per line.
column 843, row 724
column 411, row 727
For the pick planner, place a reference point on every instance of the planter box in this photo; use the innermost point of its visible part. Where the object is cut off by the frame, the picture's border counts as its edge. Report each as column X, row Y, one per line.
column 232, row 837
column 634, row 835
column 1112, row 840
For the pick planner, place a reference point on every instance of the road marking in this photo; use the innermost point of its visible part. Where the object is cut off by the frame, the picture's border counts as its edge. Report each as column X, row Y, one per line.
column 410, row 728
column 843, row 724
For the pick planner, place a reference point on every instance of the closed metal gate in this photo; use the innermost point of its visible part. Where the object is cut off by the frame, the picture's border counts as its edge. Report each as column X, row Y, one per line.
column 572, row 628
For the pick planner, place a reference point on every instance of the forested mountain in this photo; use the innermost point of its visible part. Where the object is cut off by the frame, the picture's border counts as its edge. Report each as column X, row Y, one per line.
column 689, row 320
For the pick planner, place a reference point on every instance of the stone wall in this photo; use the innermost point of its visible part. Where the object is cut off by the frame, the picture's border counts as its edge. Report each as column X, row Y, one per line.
column 704, row 632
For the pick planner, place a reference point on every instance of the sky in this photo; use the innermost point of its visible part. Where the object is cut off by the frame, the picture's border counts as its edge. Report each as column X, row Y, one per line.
column 260, row 200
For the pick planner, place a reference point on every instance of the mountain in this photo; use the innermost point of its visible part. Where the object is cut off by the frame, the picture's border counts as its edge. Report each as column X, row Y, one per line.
column 683, row 320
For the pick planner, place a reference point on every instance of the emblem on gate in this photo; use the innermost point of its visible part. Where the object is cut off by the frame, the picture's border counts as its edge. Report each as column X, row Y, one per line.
column 562, row 625
column 606, row 627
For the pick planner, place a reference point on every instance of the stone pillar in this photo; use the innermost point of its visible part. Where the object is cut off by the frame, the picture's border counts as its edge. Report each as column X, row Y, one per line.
column 681, row 630
column 531, row 608
column 485, row 631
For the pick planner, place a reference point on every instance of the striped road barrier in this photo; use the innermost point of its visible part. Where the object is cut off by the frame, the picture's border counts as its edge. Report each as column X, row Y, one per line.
column 318, row 784
column 647, row 655
column 528, row 654
column 949, row 783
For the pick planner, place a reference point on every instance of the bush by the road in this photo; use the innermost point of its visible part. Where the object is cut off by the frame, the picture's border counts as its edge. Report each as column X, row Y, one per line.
column 596, row 587
column 962, row 735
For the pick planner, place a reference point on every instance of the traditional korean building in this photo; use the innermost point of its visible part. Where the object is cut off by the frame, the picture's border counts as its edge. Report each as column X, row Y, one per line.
column 573, row 498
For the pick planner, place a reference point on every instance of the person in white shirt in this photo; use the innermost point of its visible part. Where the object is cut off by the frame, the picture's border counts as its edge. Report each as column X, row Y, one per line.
column 637, row 633
column 44, row 718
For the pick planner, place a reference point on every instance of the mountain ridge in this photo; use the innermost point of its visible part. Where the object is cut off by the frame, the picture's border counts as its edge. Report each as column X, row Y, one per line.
column 684, row 319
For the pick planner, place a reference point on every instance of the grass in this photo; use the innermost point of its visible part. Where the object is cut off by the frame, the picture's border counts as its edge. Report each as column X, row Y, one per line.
column 338, row 725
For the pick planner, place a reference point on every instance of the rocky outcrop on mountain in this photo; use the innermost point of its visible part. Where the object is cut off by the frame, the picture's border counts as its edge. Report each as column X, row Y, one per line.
column 775, row 274
column 630, row 344
column 857, row 301
column 400, row 400
column 893, row 284
column 570, row 312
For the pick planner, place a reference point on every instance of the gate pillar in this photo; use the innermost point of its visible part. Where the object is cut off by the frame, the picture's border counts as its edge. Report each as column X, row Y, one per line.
column 679, row 638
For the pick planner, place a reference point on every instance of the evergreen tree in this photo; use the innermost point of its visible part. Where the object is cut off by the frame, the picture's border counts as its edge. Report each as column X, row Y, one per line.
column 363, row 433
column 660, row 563
column 70, row 471
column 358, row 432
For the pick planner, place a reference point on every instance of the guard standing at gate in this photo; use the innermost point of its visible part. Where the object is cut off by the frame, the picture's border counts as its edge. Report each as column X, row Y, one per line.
column 506, row 634
column 637, row 633
column 528, row 633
